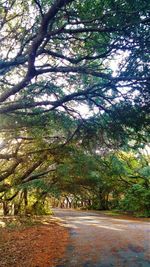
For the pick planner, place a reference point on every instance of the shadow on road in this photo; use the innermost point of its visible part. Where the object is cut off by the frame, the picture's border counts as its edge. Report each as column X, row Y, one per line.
column 104, row 241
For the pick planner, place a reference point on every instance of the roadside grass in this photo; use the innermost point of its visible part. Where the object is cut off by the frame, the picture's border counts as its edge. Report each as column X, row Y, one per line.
column 113, row 212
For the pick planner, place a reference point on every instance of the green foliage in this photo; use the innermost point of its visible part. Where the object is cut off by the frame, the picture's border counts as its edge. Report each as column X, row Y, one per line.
column 137, row 199
column 39, row 209
column 145, row 172
column 58, row 57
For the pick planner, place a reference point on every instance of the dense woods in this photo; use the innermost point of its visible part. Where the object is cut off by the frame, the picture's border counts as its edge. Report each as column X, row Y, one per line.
column 74, row 105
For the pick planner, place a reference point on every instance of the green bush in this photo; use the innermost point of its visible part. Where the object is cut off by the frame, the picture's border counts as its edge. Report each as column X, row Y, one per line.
column 137, row 199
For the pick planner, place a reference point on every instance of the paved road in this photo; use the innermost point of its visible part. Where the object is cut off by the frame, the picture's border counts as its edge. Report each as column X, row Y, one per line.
column 104, row 241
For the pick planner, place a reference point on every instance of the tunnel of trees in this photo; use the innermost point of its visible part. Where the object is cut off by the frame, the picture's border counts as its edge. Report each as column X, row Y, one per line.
column 74, row 105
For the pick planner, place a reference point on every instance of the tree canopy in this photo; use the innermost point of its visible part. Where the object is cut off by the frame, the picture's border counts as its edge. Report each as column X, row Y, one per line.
column 74, row 93
column 55, row 53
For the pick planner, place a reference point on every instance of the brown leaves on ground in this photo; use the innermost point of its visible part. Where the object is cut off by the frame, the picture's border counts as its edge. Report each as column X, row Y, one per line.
column 39, row 245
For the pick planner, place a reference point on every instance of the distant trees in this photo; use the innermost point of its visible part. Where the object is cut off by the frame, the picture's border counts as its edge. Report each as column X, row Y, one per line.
column 118, row 180
column 39, row 165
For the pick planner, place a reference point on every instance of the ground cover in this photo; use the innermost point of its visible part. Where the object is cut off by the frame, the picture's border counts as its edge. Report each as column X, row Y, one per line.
column 36, row 242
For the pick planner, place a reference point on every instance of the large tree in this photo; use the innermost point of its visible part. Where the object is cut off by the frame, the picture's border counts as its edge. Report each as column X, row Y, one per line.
column 61, row 53
column 59, row 58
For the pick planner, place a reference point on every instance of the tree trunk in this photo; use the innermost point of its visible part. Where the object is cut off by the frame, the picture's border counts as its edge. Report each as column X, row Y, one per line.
column 103, row 204
column 5, row 208
column 25, row 196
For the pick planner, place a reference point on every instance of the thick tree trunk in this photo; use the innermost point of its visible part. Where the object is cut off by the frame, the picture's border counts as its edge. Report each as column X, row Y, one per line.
column 25, row 196
column 5, row 208
column 17, row 206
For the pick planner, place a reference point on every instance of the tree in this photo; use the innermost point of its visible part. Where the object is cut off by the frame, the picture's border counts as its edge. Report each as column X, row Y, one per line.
column 57, row 57
column 39, row 165
column 59, row 54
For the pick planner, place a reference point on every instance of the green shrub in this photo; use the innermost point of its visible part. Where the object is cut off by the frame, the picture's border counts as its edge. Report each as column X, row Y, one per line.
column 137, row 199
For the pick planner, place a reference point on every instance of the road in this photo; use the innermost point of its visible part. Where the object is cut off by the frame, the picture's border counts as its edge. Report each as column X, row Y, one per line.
column 103, row 241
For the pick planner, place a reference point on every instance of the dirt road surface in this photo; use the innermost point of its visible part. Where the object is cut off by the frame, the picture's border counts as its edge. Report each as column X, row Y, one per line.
column 104, row 241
